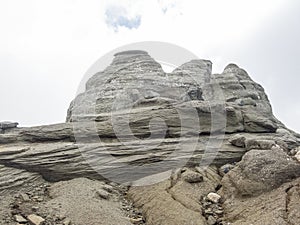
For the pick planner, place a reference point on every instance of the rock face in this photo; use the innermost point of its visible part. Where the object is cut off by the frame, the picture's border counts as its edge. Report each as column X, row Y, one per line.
column 148, row 87
column 142, row 115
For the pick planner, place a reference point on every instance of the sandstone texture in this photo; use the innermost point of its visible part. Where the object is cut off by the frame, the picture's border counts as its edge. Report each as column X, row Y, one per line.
column 236, row 163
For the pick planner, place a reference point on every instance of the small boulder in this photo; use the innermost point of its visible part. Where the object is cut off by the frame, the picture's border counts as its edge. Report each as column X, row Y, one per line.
column 238, row 140
column 7, row 125
column 192, row 177
column 259, row 144
column 67, row 221
column 35, row 220
column 20, row 219
column 108, row 188
column 211, row 220
column 35, row 208
column 136, row 220
column 102, row 194
column 24, row 197
column 259, row 171
column 213, row 197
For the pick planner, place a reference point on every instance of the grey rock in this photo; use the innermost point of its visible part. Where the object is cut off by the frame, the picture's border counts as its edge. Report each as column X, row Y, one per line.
column 260, row 171
column 208, row 211
column 211, row 220
column 108, row 188
column 218, row 212
column 7, row 125
column 136, row 220
column 35, row 208
column 294, row 151
column 14, row 179
column 238, row 140
column 67, row 221
column 103, row 194
column 51, row 150
column 247, row 105
column 24, row 197
column 192, row 177
column 63, row 160
column 35, row 219
column 259, row 144
column 213, row 197
column 20, row 219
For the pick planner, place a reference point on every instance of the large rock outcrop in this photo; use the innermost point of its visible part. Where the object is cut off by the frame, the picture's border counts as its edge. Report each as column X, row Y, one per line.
column 126, row 126
column 149, row 87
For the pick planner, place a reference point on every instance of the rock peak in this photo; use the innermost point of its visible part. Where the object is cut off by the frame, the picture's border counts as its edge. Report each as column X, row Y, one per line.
column 231, row 67
column 131, row 52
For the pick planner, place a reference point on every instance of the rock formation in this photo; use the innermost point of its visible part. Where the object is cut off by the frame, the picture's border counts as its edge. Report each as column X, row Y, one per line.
column 126, row 127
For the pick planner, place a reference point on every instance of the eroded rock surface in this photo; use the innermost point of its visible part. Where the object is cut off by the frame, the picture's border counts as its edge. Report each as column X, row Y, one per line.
column 62, row 172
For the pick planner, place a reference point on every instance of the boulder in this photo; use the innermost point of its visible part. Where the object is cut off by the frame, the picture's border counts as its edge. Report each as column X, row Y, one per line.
column 260, row 171
column 192, row 177
column 259, row 144
column 213, row 197
column 8, row 125
column 35, row 219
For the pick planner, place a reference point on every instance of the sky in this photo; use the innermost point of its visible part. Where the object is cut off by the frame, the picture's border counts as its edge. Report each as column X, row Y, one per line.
column 46, row 46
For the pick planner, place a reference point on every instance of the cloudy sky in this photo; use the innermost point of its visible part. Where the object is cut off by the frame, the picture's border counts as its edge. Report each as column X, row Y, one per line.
column 46, row 46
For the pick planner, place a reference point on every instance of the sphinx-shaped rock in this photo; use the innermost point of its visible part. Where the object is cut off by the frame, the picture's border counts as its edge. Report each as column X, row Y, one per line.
column 150, row 91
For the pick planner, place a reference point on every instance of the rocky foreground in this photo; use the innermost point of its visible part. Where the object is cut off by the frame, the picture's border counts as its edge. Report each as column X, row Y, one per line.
column 60, row 173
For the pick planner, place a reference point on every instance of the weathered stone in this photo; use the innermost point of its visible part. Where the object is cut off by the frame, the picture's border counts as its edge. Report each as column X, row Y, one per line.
column 192, row 177
column 103, row 194
column 260, row 171
column 7, row 125
column 35, row 208
column 211, row 220
column 67, row 221
column 213, row 197
column 238, row 140
column 25, row 197
column 218, row 212
column 294, row 151
column 141, row 69
column 259, row 144
column 108, row 188
column 136, row 220
column 20, row 219
column 35, row 219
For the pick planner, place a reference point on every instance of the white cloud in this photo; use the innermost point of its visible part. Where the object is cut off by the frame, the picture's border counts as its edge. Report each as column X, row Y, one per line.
column 117, row 16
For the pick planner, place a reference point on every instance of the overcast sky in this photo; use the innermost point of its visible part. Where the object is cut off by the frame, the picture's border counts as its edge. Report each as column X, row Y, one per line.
column 47, row 46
